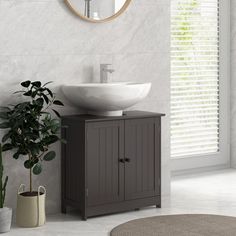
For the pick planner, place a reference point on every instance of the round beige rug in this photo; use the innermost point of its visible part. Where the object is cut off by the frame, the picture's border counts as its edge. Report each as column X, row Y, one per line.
column 178, row 225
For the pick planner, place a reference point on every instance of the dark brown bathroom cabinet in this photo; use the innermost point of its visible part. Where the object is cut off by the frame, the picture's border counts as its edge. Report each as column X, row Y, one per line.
column 111, row 164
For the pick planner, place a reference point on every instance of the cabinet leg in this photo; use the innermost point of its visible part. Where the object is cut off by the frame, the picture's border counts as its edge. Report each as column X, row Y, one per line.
column 136, row 209
column 84, row 218
column 158, row 206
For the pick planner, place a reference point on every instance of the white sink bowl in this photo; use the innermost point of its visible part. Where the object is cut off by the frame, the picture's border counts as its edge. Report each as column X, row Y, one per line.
column 106, row 99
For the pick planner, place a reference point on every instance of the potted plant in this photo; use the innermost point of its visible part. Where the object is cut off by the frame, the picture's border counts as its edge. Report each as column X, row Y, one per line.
column 5, row 212
column 31, row 129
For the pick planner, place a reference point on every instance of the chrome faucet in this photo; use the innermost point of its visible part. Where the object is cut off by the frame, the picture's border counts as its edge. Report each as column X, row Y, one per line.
column 87, row 8
column 104, row 70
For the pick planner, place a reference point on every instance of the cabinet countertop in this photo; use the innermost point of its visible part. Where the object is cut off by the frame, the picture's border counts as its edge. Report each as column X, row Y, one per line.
column 125, row 116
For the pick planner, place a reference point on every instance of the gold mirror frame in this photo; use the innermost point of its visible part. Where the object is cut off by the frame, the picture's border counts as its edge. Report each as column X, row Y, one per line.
column 126, row 4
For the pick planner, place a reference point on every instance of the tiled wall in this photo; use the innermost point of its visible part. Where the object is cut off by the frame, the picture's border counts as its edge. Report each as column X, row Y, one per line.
column 43, row 40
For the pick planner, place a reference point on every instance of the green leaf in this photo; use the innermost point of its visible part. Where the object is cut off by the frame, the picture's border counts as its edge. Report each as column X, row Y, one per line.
column 57, row 113
column 59, row 103
column 34, row 149
column 21, row 91
column 49, row 156
column 45, row 98
column 47, row 83
column 43, row 149
column 6, row 147
column 29, row 93
column 50, row 92
column 22, row 151
column 5, row 183
column 50, row 139
column 27, row 164
column 4, row 125
column 26, row 84
column 55, row 128
column 6, row 137
column 40, row 101
column 36, row 84
column 34, row 94
column 16, row 155
column 37, row 169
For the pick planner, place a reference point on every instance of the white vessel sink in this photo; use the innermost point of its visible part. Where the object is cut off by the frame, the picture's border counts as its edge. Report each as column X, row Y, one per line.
column 106, row 99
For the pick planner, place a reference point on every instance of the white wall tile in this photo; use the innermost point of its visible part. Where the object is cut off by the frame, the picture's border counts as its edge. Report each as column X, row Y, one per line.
column 47, row 27
column 43, row 40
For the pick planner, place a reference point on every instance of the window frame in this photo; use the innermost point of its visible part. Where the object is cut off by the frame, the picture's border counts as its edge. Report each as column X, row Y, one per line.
column 221, row 158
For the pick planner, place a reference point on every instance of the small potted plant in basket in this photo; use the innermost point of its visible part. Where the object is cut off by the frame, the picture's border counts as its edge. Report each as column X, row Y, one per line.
column 5, row 212
column 31, row 129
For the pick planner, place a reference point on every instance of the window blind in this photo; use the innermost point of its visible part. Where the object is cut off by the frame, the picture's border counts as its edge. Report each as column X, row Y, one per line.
column 194, row 77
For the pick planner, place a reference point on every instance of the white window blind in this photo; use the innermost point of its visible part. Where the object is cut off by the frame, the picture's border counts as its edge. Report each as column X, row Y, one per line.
column 194, row 77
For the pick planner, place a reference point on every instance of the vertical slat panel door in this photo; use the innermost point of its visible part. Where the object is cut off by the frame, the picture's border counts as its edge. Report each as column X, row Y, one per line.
column 105, row 172
column 142, row 155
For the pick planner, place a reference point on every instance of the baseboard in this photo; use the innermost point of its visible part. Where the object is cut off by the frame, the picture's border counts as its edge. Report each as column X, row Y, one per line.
column 199, row 170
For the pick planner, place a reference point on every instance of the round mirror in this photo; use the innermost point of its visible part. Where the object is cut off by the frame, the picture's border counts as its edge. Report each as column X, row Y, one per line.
column 98, row 10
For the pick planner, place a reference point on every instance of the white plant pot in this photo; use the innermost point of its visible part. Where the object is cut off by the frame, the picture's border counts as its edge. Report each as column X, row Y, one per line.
column 5, row 219
column 30, row 211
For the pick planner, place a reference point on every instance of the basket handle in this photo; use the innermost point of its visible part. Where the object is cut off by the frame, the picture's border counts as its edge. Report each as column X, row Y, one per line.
column 21, row 189
column 43, row 188
column 44, row 191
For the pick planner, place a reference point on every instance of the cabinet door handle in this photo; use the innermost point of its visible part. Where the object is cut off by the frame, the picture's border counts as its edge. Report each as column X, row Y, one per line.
column 122, row 160
column 127, row 160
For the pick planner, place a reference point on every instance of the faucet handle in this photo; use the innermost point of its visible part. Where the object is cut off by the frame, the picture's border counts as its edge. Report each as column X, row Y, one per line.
column 104, row 71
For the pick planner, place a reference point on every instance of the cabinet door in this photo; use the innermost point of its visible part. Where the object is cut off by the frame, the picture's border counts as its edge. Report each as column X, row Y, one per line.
column 105, row 174
column 142, row 153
